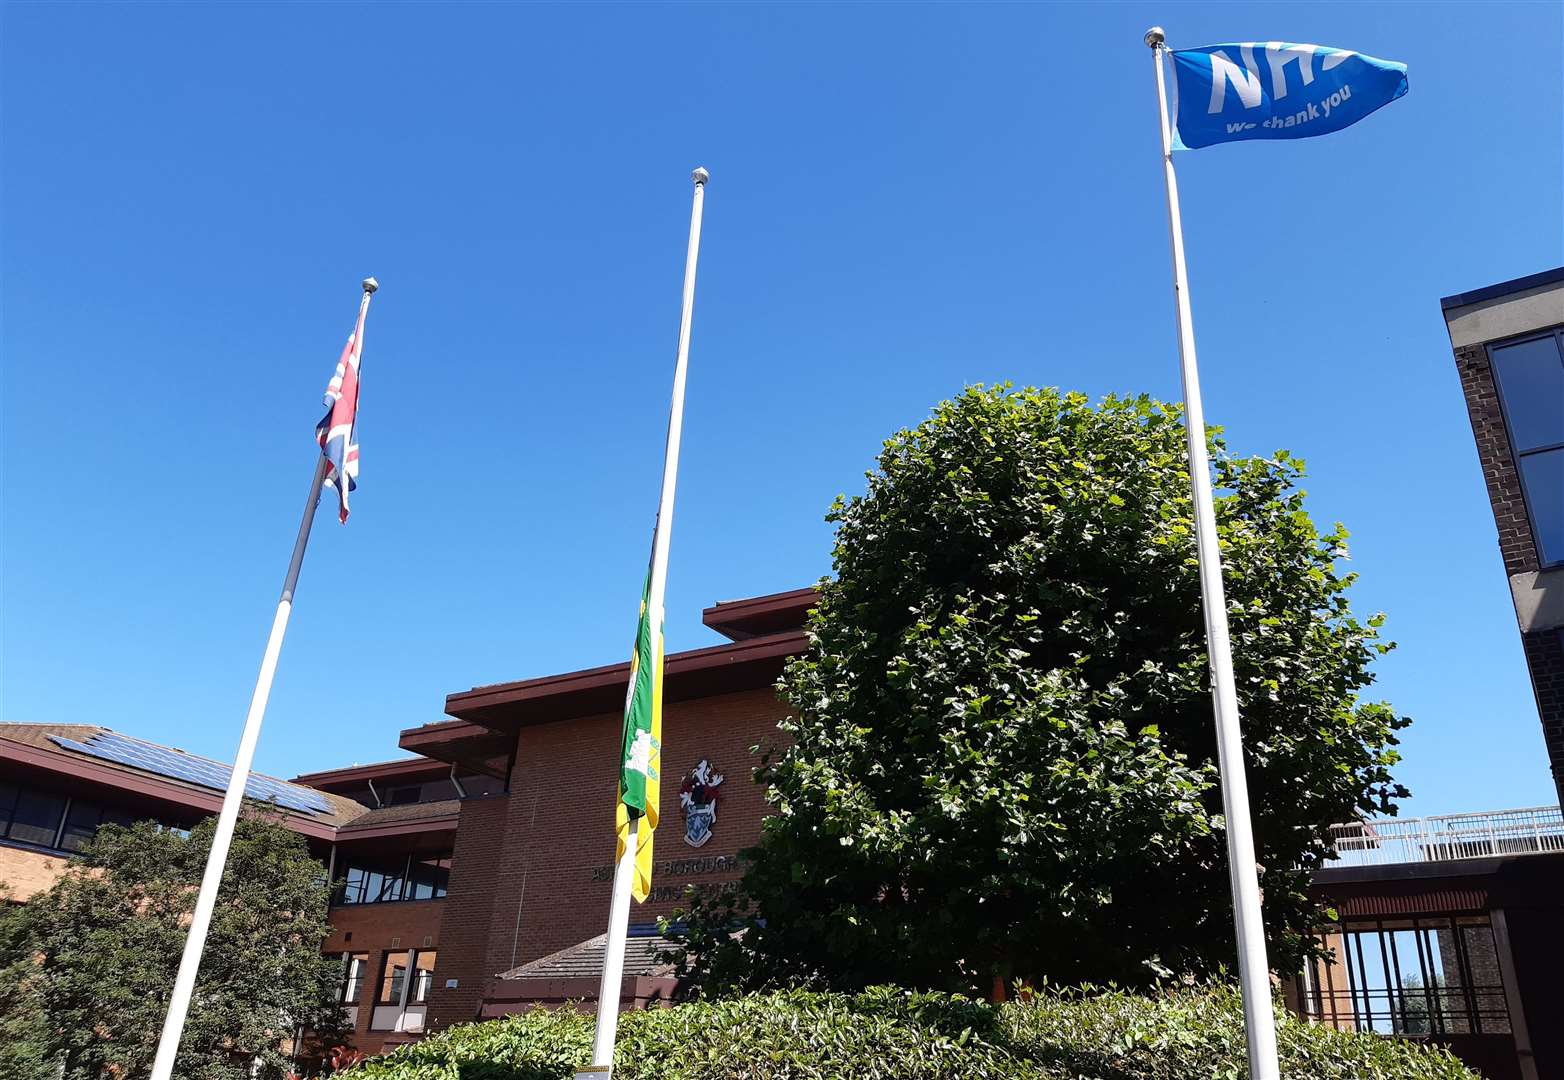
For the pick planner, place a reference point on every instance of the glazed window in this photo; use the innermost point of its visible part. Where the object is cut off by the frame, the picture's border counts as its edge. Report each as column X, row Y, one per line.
column 1410, row 977
column 1530, row 375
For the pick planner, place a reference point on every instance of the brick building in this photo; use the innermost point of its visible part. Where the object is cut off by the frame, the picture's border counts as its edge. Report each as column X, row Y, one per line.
column 1509, row 351
column 463, row 868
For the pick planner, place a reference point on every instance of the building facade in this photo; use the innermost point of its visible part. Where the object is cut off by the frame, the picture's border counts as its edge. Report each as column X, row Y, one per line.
column 1508, row 341
column 475, row 876
column 491, row 850
column 1451, row 931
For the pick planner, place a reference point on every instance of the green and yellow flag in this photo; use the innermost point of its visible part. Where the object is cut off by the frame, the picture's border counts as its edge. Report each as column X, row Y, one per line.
column 642, row 758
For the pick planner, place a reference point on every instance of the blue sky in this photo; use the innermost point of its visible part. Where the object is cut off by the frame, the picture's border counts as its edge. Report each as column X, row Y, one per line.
column 904, row 200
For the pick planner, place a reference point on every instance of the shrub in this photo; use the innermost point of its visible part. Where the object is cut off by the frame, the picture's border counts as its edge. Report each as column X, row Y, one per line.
column 888, row 1034
column 1189, row 1034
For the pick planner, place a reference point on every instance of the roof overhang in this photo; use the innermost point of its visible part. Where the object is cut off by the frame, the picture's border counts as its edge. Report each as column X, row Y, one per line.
column 406, row 770
column 461, row 743
column 506, row 707
column 739, row 620
column 417, row 835
column 75, row 771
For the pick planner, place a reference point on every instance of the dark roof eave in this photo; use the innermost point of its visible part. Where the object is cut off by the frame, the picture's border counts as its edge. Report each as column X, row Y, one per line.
column 1503, row 288
column 758, row 616
column 748, row 664
column 380, row 770
column 411, row 827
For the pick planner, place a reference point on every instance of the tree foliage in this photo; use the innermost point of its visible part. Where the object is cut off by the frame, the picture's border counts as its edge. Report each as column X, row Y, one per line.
column 96, row 955
column 1003, row 760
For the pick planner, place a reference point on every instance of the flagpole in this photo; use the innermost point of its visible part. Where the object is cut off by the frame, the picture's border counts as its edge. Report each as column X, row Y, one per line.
column 624, row 871
column 1253, row 970
column 233, row 798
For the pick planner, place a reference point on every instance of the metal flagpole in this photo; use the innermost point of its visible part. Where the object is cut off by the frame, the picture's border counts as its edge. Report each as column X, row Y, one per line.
column 624, row 872
column 206, row 900
column 1253, row 970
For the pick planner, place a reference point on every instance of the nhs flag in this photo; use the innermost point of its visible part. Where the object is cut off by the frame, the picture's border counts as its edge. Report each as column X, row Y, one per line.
column 1274, row 90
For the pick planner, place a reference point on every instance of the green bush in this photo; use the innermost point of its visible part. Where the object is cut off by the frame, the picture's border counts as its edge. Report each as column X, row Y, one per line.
column 886, row 1034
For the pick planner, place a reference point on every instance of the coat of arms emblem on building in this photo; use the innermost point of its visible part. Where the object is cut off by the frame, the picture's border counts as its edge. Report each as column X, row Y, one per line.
column 698, row 799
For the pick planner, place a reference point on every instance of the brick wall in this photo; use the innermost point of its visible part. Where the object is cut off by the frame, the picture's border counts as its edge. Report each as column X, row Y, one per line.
column 1516, row 544
column 1545, row 658
column 465, row 925
column 533, row 872
column 562, row 820
column 377, row 929
column 26, row 873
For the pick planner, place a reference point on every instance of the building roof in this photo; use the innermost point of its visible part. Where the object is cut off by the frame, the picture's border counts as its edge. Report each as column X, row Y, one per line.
column 1504, row 288
column 739, row 620
column 403, row 769
column 586, row 960
column 442, row 810
column 77, row 752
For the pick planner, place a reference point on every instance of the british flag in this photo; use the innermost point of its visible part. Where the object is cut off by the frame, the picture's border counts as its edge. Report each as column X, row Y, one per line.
column 337, row 431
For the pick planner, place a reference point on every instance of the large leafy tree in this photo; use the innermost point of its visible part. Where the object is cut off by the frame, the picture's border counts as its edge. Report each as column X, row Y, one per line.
column 94, row 957
column 1002, row 759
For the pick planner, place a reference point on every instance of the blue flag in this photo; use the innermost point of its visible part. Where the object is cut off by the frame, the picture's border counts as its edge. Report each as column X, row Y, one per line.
column 1274, row 90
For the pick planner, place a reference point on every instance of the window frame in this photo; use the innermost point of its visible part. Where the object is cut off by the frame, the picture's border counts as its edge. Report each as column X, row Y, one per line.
column 388, row 979
column 349, row 980
column 439, row 884
column 412, row 976
column 56, row 844
column 1481, row 1009
column 1556, row 334
column 8, row 821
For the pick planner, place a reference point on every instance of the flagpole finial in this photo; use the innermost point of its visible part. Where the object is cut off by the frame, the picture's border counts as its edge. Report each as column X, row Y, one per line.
column 370, row 284
column 700, row 176
column 1155, row 37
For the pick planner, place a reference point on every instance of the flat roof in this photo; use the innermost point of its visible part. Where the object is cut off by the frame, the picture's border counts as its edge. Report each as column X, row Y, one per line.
column 1504, row 288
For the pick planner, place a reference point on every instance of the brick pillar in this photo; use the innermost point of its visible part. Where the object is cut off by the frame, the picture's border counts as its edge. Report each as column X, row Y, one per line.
column 464, row 926
column 1545, row 658
column 1493, row 451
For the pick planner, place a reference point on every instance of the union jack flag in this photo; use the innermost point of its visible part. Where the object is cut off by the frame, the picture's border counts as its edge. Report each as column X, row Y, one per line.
column 337, row 431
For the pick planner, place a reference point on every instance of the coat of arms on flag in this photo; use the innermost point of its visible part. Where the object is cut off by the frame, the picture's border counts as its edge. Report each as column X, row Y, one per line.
column 698, row 799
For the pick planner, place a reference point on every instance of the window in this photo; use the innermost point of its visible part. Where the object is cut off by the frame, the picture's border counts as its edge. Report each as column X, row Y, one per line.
column 82, row 822
column 355, row 970
column 35, row 818
column 393, row 978
column 399, row 877
column 406, row 977
column 1410, row 977
column 428, row 878
column 1530, row 375
column 52, row 821
column 423, row 977
column 405, row 795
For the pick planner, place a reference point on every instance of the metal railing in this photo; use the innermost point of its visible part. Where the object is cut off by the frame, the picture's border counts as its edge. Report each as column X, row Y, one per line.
column 1534, row 831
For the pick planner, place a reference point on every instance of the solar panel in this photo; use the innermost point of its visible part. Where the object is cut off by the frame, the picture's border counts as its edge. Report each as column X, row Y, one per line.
column 149, row 757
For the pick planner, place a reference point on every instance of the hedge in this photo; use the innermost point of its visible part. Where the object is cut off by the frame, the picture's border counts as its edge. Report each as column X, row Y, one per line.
column 889, row 1034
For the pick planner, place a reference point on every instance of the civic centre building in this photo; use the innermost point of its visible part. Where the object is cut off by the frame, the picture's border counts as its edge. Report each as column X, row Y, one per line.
column 475, row 874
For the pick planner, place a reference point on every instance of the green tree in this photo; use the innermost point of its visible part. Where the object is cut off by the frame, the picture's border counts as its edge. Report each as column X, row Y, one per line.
column 24, row 1042
column 101, row 947
column 1002, row 759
